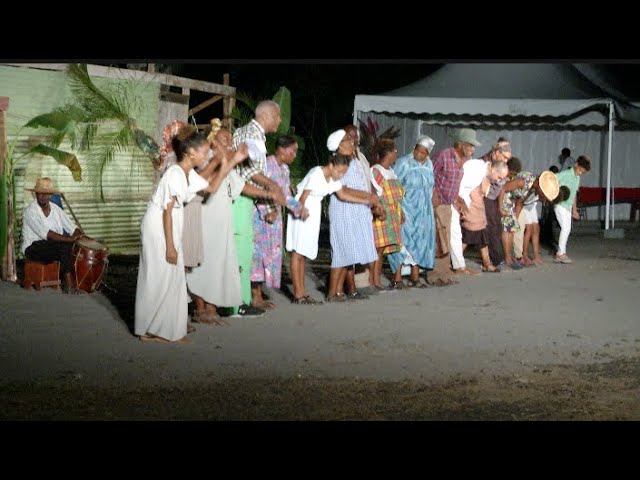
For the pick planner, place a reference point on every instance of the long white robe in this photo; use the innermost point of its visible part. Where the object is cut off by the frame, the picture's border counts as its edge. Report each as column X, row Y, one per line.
column 161, row 294
column 217, row 279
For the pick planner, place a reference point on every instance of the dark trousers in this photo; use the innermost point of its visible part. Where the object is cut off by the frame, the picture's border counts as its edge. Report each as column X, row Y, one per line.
column 550, row 228
column 47, row 251
column 494, row 231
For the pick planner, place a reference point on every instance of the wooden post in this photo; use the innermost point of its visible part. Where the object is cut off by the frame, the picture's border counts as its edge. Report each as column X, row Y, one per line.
column 4, row 105
column 151, row 67
column 8, row 256
column 228, row 104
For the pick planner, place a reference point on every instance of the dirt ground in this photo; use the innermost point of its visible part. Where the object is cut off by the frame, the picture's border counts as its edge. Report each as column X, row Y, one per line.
column 556, row 342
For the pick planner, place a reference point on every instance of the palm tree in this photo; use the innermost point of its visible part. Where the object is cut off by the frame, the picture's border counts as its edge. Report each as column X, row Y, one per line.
column 99, row 122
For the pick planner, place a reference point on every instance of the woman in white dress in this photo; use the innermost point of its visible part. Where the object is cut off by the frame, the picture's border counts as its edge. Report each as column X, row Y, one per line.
column 161, row 310
column 302, row 234
column 216, row 282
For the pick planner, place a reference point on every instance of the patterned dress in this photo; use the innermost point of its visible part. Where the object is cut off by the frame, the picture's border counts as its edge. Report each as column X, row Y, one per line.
column 387, row 232
column 418, row 229
column 266, row 265
column 351, row 227
column 510, row 222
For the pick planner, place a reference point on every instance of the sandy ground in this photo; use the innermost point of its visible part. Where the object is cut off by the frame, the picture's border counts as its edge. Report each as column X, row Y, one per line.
column 512, row 325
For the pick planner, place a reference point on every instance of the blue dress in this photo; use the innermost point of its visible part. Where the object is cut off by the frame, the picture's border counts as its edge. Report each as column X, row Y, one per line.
column 418, row 229
column 351, row 224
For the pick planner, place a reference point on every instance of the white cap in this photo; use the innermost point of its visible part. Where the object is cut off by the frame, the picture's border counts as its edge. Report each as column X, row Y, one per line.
column 426, row 142
column 333, row 142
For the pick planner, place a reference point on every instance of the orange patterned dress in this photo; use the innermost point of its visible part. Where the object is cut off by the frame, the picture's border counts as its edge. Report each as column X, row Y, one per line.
column 388, row 232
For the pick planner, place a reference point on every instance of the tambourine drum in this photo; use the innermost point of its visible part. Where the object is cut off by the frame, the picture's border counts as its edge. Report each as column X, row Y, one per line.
column 90, row 261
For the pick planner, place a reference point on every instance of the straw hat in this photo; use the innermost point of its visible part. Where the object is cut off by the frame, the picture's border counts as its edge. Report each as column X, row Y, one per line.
column 466, row 135
column 548, row 183
column 44, row 185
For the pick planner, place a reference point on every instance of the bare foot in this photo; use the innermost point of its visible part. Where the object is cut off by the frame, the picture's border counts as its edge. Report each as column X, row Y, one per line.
column 538, row 261
column 264, row 305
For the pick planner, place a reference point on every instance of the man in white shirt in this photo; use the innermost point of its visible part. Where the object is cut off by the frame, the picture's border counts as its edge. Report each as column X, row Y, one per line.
column 43, row 233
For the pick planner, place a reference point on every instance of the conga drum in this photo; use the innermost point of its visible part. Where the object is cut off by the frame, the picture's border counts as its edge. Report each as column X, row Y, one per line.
column 90, row 261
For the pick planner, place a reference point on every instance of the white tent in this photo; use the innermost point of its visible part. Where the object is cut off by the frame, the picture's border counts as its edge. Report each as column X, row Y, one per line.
column 541, row 108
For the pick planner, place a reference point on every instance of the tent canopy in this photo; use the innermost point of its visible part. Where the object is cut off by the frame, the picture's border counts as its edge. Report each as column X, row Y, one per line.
column 536, row 91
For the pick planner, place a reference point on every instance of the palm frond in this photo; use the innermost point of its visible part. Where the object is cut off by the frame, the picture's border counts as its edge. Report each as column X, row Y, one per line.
column 67, row 159
column 89, row 132
column 102, row 154
column 97, row 103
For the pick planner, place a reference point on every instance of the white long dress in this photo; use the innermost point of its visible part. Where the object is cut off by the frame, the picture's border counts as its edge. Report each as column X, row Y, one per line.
column 161, row 294
column 302, row 235
column 217, row 279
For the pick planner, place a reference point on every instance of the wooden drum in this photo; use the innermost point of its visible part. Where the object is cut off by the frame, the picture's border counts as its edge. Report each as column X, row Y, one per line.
column 90, row 261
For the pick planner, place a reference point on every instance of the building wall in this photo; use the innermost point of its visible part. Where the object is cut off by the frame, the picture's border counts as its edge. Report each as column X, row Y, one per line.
column 127, row 180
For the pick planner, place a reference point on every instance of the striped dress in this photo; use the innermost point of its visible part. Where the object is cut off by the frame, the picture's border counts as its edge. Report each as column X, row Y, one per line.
column 351, row 227
column 387, row 233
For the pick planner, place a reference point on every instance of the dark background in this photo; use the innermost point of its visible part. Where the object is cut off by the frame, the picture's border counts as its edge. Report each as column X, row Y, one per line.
column 322, row 93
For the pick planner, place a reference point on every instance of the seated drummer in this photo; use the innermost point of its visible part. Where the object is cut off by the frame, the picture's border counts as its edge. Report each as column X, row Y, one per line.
column 43, row 233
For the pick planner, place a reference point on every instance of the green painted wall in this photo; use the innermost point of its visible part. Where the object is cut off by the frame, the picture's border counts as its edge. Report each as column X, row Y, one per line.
column 127, row 185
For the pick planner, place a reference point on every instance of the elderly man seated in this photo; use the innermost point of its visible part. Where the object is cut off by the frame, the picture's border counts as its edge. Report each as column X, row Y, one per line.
column 43, row 233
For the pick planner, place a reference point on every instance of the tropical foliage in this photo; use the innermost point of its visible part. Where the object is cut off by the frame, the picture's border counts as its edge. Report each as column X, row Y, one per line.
column 99, row 122
column 369, row 135
column 244, row 112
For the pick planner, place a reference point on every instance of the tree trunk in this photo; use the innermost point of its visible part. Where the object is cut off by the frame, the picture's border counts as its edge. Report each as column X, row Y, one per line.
column 9, row 272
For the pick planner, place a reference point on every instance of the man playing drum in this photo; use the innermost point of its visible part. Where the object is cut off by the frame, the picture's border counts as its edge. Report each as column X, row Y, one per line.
column 43, row 233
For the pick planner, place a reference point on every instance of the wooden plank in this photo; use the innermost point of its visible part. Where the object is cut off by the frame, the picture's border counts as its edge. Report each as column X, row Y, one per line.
column 125, row 74
column 228, row 105
column 205, row 104
column 175, row 97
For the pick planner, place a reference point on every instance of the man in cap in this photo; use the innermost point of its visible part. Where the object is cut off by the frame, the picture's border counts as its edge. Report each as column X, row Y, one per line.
column 447, row 169
column 43, row 233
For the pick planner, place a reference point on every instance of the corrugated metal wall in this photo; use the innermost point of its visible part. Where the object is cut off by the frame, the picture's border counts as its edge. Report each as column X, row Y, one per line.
column 128, row 180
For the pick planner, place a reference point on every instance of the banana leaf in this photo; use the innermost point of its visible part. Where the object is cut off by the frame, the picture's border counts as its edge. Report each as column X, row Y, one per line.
column 283, row 98
column 4, row 214
column 67, row 159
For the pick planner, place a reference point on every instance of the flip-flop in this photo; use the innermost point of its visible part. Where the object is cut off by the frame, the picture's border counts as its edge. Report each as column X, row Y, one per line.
column 306, row 300
column 439, row 282
column 415, row 284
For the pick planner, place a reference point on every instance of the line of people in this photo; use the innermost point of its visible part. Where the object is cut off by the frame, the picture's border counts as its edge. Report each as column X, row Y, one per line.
column 213, row 231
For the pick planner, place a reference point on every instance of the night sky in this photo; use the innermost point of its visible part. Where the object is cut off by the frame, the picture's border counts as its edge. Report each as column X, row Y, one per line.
column 323, row 94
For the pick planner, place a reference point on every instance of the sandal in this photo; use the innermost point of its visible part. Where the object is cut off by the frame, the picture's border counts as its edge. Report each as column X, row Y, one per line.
column 397, row 285
column 306, row 300
column 190, row 328
column 338, row 297
column 439, row 282
column 415, row 284
column 357, row 296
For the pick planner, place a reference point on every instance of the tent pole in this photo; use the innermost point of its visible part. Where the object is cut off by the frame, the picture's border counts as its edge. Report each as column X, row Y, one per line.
column 606, row 221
